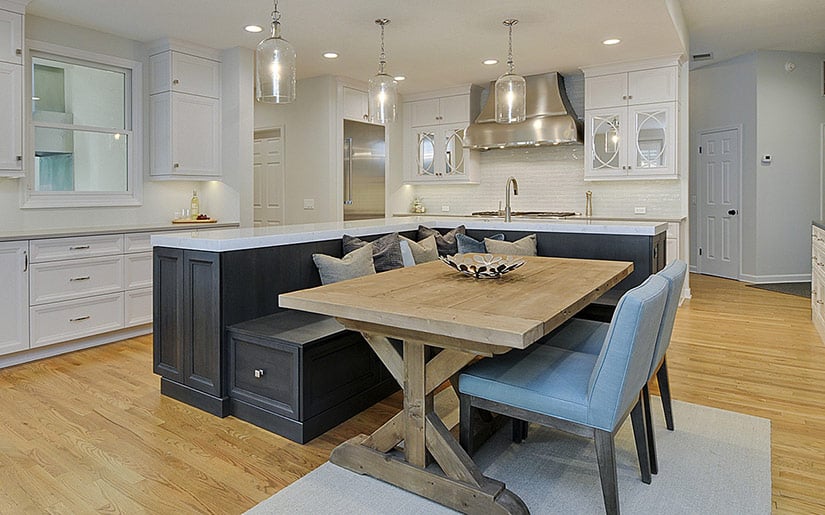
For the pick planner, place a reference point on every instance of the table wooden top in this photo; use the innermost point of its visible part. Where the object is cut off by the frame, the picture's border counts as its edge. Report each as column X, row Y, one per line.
column 512, row 311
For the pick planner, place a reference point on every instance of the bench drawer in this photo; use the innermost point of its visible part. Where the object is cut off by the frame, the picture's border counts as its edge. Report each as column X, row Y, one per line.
column 265, row 374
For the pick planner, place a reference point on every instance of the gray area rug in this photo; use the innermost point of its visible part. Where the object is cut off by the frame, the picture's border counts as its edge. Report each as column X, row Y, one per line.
column 715, row 462
column 798, row 289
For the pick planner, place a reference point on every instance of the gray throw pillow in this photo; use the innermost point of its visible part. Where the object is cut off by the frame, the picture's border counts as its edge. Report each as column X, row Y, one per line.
column 386, row 250
column 445, row 242
column 357, row 263
column 467, row 245
column 423, row 251
column 523, row 247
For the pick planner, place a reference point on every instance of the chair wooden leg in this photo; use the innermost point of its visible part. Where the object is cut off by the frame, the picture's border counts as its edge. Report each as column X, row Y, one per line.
column 606, row 456
column 664, row 389
column 465, row 423
column 637, row 417
column 651, row 437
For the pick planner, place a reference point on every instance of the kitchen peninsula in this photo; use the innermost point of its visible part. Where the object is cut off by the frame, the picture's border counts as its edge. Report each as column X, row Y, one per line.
column 211, row 287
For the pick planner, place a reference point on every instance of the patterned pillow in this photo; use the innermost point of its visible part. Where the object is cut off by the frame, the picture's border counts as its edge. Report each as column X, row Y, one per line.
column 386, row 250
column 445, row 242
column 523, row 247
column 357, row 263
column 423, row 251
column 466, row 244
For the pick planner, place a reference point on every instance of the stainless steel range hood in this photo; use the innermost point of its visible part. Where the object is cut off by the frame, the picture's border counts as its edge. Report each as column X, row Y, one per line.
column 550, row 119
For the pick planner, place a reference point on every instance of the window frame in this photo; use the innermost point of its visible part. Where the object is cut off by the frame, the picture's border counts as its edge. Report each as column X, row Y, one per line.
column 133, row 196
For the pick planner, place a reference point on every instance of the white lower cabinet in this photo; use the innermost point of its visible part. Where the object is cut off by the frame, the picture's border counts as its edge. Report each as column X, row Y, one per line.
column 14, row 301
column 138, row 308
column 65, row 280
column 818, row 279
column 72, row 319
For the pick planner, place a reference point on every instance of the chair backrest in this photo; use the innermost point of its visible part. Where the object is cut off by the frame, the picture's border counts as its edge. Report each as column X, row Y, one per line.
column 675, row 274
column 622, row 366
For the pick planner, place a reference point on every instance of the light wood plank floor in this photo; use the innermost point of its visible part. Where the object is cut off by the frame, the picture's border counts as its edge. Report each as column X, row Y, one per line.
column 89, row 432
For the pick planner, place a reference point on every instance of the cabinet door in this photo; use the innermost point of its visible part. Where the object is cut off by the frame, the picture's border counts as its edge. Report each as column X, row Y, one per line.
column 11, row 119
column 653, row 86
column 454, row 151
column 604, row 151
column 167, row 301
column 605, row 91
column 652, row 150
column 11, row 38
column 202, row 321
column 425, row 153
column 196, row 135
column 14, row 303
column 354, row 104
column 455, row 109
column 424, row 112
column 196, row 75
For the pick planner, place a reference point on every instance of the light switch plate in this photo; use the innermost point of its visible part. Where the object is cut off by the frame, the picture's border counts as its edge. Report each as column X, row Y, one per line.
column 445, row 208
column 309, row 203
column 640, row 210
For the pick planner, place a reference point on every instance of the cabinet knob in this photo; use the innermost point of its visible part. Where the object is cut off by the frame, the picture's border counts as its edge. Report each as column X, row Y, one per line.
column 19, row 158
column 629, row 167
column 175, row 81
column 366, row 117
column 624, row 97
column 630, row 97
column 176, row 165
column 259, row 373
column 18, row 51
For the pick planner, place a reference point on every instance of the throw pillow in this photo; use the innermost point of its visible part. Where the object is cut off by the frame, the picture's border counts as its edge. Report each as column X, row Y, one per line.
column 423, row 251
column 467, row 245
column 523, row 247
column 357, row 263
column 445, row 242
column 386, row 250
column 406, row 252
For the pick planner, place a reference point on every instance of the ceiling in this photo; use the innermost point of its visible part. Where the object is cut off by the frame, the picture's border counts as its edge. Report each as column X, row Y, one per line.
column 438, row 43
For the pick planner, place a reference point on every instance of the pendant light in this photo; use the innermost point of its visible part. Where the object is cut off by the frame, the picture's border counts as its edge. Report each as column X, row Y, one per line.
column 383, row 90
column 275, row 66
column 511, row 89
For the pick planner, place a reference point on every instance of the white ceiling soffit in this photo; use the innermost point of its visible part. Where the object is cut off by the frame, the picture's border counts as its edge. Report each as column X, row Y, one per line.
column 434, row 43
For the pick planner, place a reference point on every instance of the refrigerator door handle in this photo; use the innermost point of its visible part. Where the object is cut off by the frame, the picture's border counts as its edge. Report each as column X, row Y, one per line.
column 347, row 171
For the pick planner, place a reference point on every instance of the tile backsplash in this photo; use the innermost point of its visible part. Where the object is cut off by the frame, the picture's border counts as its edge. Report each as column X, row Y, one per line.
column 551, row 179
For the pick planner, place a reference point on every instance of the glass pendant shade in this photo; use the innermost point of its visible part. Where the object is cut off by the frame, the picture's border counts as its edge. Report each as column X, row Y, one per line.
column 383, row 95
column 275, row 67
column 511, row 90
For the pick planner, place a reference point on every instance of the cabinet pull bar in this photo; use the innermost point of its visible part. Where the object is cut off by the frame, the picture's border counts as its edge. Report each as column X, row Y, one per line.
column 79, row 247
column 84, row 278
column 19, row 158
column 25, row 260
column 18, row 51
column 80, row 319
column 175, row 81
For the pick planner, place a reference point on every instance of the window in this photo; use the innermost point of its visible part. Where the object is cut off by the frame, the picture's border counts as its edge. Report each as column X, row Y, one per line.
column 85, row 130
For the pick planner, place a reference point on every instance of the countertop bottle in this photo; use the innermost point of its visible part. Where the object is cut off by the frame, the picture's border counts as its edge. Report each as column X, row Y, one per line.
column 195, row 206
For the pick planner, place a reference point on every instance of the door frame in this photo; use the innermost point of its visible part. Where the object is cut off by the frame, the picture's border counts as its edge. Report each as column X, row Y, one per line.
column 701, row 193
column 255, row 133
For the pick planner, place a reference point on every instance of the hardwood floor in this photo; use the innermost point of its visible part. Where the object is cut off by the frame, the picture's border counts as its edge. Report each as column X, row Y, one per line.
column 89, row 431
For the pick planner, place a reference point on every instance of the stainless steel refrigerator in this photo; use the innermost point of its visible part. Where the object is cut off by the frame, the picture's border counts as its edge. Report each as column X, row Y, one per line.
column 365, row 157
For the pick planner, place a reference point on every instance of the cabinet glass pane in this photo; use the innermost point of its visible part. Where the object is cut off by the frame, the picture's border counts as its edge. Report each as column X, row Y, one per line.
column 650, row 139
column 426, row 153
column 606, row 143
column 454, row 152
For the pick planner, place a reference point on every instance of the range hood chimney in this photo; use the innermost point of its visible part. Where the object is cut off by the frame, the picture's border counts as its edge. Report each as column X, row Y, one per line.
column 550, row 119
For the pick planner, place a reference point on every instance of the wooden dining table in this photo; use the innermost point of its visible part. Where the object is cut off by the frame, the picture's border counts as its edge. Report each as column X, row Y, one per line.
column 433, row 305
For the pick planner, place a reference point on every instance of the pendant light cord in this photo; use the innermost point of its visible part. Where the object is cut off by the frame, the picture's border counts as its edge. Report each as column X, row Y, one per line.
column 276, row 22
column 509, row 23
column 382, row 57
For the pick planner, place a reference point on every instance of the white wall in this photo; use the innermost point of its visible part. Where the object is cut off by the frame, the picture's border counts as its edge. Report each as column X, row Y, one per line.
column 237, row 98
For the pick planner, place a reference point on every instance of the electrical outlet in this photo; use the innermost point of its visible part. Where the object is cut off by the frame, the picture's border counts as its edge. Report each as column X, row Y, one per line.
column 309, row 203
column 640, row 210
column 445, row 208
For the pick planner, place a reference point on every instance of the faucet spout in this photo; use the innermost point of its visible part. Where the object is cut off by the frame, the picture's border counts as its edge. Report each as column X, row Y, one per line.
column 510, row 180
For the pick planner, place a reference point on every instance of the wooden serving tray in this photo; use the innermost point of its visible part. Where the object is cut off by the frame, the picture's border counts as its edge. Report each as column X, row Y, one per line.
column 190, row 221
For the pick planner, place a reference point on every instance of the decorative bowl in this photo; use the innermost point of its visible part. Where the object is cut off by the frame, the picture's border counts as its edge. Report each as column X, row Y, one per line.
column 483, row 266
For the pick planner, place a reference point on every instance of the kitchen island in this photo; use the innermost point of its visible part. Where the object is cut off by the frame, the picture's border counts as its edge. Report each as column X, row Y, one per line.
column 206, row 283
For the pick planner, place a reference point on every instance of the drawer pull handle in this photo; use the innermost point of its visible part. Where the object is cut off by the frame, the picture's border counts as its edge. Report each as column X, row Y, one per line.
column 18, row 51
column 78, row 247
column 80, row 319
column 259, row 373
column 84, row 278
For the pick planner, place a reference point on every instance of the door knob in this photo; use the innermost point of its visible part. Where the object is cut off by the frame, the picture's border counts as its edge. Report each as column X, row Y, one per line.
column 731, row 212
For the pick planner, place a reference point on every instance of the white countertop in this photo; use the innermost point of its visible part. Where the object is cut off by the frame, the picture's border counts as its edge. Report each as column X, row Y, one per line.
column 637, row 218
column 239, row 239
column 67, row 232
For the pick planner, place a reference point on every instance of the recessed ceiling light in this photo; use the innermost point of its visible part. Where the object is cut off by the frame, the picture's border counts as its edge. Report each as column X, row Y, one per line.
column 490, row 61
column 331, row 55
column 399, row 77
column 612, row 41
column 253, row 28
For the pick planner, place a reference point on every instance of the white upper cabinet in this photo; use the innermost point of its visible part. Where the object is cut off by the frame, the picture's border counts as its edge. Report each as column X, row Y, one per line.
column 436, row 111
column 355, row 104
column 632, row 88
column 11, row 37
column 184, row 73
column 11, row 120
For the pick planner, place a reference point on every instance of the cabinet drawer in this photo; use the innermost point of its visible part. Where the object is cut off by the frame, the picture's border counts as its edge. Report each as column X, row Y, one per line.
column 138, row 308
column 63, row 321
column 55, row 249
column 63, row 280
column 137, row 269
column 138, row 242
column 265, row 374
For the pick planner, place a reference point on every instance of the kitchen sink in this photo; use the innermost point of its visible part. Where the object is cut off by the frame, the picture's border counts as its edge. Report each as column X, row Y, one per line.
column 529, row 214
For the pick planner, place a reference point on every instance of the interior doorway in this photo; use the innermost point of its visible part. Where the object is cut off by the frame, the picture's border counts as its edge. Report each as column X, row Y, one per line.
column 719, row 173
column 268, row 188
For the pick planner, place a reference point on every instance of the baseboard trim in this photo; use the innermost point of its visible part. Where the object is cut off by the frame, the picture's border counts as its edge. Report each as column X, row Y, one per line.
column 62, row 348
column 767, row 279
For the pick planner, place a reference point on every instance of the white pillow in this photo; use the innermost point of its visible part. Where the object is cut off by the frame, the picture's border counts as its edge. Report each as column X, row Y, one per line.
column 357, row 263
column 423, row 251
column 406, row 254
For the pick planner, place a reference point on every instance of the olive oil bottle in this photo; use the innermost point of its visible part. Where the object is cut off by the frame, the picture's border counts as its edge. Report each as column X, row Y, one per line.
column 195, row 206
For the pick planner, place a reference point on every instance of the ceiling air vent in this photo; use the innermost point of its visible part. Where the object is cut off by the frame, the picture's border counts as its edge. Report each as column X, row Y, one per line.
column 702, row 57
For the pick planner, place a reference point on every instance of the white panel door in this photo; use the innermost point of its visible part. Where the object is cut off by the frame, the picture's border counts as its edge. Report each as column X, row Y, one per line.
column 196, row 135
column 606, row 91
column 11, row 37
column 354, row 104
column 268, row 162
column 653, row 86
column 11, row 117
column 718, row 186
column 14, row 302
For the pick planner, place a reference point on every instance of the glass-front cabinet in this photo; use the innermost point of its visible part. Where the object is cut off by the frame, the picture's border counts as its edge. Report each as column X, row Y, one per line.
column 439, row 153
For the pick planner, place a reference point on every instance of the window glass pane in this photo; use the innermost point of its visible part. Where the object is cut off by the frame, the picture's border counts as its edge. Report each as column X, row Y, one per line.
column 78, row 94
column 72, row 160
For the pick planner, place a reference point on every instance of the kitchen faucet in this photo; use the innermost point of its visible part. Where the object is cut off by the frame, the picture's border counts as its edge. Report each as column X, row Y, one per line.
column 512, row 180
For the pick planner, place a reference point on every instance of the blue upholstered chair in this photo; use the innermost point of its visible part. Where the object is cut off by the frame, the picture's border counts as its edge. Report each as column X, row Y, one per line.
column 585, row 394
